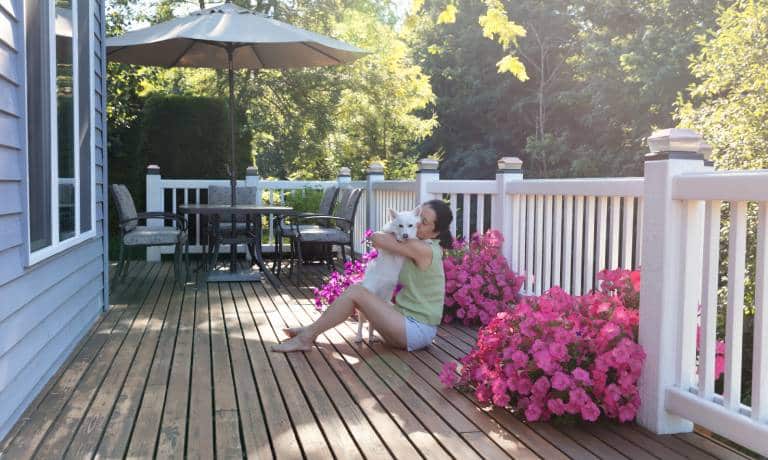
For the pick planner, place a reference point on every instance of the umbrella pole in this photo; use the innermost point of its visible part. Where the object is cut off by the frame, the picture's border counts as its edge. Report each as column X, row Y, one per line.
column 232, row 168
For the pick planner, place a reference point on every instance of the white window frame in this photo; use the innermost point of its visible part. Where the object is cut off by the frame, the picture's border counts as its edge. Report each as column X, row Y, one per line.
column 57, row 246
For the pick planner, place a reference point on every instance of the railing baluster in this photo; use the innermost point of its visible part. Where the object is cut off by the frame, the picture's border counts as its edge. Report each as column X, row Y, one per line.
column 692, row 269
column 568, row 238
column 613, row 262
column 737, row 246
column 628, row 233
column 539, row 242
column 465, row 215
column 602, row 232
column 638, row 234
column 515, row 243
column 452, row 200
column 578, row 244
column 558, row 240
column 760, row 359
column 710, row 268
column 589, row 246
column 530, row 223
column 479, row 222
column 547, row 281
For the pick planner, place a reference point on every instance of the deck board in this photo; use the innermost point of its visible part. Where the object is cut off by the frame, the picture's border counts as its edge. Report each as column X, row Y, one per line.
column 177, row 371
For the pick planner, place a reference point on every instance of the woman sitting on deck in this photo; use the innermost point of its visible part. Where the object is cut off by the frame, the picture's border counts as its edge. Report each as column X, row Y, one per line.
column 411, row 323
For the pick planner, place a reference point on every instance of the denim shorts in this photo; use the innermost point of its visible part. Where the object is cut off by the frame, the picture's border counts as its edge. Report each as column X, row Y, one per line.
column 418, row 334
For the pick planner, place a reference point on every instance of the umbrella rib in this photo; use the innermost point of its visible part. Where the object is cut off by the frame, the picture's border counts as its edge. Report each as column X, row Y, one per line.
column 186, row 50
column 317, row 50
column 256, row 53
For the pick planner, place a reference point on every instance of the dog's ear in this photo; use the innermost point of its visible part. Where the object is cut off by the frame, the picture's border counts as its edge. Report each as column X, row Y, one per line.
column 392, row 213
column 417, row 211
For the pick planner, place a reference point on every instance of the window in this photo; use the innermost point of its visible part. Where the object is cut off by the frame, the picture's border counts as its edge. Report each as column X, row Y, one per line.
column 60, row 154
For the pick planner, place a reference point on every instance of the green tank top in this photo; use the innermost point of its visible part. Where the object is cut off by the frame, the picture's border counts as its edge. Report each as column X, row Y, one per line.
column 423, row 293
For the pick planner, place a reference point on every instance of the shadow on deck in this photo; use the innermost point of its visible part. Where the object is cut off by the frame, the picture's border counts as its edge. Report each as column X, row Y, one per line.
column 186, row 371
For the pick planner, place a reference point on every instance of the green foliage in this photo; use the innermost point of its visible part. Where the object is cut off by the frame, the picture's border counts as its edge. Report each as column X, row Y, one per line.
column 189, row 137
column 304, row 200
column 729, row 102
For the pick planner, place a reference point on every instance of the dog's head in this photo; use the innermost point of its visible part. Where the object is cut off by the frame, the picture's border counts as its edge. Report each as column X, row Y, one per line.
column 403, row 224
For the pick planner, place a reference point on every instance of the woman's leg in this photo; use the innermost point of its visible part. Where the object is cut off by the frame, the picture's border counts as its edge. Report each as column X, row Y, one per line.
column 388, row 321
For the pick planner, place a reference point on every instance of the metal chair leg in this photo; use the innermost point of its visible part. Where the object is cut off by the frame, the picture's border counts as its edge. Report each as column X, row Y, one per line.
column 121, row 260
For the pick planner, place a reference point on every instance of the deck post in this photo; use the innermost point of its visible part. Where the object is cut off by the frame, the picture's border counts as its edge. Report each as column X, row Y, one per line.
column 427, row 172
column 502, row 216
column 155, row 199
column 375, row 173
column 665, row 325
column 252, row 179
column 344, row 178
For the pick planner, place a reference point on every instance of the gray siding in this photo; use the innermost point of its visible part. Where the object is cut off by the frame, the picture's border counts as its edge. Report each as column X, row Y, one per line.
column 47, row 308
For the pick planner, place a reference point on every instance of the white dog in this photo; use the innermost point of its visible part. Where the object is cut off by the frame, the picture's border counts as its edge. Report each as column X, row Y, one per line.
column 382, row 273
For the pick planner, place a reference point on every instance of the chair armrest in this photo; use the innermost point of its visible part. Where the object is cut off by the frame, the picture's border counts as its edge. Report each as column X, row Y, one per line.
column 181, row 221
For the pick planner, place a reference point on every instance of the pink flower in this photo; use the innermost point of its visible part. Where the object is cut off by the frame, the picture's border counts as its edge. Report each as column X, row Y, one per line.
column 533, row 412
column 556, row 406
column 448, row 375
column 581, row 375
column 590, row 411
column 560, row 381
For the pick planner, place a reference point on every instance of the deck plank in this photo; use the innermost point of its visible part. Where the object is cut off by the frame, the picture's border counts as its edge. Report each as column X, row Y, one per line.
column 172, row 371
column 172, row 439
column 226, row 421
column 199, row 436
column 350, row 414
column 285, row 444
column 312, row 441
column 330, row 422
column 99, row 345
column 253, row 424
column 60, row 434
column 113, row 407
column 383, row 396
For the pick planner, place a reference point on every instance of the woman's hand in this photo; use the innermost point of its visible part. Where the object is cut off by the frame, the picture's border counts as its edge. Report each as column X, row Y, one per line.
column 415, row 249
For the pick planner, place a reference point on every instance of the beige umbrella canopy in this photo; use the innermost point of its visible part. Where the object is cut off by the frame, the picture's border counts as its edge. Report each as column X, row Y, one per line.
column 232, row 37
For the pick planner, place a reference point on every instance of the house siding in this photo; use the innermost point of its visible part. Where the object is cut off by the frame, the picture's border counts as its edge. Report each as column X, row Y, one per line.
column 45, row 309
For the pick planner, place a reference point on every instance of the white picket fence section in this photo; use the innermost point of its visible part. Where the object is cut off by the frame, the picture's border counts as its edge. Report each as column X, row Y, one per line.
column 697, row 200
column 563, row 232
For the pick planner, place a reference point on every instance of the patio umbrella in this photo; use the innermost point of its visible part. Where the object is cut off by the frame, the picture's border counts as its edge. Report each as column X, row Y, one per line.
column 232, row 37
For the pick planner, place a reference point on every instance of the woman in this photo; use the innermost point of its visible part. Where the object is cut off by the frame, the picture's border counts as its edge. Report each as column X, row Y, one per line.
column 411, row 323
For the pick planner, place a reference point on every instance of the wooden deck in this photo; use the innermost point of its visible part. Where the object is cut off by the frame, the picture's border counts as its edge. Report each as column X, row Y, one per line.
column 177, row 371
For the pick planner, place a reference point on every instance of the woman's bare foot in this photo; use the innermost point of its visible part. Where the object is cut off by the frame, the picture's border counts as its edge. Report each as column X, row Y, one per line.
column 297, row 343
column 293, row 331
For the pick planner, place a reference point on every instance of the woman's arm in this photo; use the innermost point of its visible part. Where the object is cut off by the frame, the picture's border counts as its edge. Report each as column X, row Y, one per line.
column 414, row 249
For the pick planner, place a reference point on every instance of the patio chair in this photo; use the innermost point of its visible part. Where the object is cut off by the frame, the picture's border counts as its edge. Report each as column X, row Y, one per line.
column 284, row 225
column 133, row 234
column 222, row 194
column 338, row 231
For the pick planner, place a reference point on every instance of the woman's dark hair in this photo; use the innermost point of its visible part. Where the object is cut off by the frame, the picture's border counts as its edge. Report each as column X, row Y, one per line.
column 443, row 220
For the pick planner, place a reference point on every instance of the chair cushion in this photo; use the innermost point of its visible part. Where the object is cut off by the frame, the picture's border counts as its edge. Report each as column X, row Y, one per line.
column 227, row 226
column 125, row 207
column 290, row 231
column 324, row 235
column 153, row 236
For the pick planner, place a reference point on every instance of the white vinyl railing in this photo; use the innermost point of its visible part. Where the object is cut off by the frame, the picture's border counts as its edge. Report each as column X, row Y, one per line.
column 701, row 198
column 563, row 232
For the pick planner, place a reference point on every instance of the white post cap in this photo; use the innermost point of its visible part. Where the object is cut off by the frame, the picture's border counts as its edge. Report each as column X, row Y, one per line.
column 510, row 164
column 681, row 140
column 251, row 171
column 705, row 150
column 428, row 164
column 345, row 172
column 153, row 169
column 376, row 167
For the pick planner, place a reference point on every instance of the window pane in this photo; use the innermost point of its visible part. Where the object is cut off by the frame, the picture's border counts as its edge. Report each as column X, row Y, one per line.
column 65, row 111
column 84, row 111
column 37, row 13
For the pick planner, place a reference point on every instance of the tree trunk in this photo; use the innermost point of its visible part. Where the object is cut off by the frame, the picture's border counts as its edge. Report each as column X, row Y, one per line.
column 202, row 4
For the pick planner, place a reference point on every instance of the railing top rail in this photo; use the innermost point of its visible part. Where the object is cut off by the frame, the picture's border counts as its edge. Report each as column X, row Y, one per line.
column 395, row 185
column 724, row 185
column 195, row 183
column 462, row 186
column 293, row 185
column 615, row 186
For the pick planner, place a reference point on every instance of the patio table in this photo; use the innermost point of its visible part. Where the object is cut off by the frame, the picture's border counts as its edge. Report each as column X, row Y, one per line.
column 252, row 236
